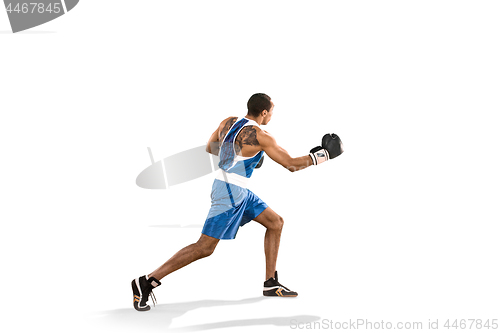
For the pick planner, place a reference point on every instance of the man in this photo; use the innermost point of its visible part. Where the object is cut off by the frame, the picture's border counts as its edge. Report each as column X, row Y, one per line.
column 240, row 143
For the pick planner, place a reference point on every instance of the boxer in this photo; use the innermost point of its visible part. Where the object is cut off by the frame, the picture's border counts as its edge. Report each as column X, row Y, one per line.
column 240, row 143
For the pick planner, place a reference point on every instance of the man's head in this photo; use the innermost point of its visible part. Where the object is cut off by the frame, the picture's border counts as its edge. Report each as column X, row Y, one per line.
column 260, row 105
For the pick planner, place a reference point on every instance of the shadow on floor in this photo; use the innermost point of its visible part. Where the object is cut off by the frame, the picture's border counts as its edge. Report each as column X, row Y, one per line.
column 160, row 318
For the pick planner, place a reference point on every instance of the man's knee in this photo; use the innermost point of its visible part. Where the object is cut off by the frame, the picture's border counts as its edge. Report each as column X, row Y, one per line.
column 278, row 223
column 206, row 249
column 281, row 222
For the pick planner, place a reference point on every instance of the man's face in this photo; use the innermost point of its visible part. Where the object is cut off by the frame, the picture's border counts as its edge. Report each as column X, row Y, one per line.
column 269, row 115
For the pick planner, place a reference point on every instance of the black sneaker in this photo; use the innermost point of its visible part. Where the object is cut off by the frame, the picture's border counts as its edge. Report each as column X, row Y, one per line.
column 142, row 287
column 273, row 288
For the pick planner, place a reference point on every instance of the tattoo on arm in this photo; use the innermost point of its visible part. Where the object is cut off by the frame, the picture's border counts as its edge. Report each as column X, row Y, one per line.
column 247, row 136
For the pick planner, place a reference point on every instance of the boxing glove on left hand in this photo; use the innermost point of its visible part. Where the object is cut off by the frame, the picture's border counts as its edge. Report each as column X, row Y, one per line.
column 260, row 162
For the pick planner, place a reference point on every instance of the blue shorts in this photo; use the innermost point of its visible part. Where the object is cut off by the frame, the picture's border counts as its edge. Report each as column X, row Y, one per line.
column 232, row 207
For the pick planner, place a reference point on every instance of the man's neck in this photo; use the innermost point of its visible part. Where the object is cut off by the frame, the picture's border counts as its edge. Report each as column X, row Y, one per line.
column 258, row 120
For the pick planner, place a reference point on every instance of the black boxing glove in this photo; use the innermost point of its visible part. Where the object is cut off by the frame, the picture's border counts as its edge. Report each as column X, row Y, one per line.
column 331, row 147
column 260, row 162
column 333, row 144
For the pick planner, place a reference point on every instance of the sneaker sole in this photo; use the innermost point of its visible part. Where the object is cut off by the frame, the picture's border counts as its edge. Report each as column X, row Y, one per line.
column 277, row 293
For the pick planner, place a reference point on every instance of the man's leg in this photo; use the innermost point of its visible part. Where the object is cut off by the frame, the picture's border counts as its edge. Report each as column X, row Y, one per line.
column 204, row 247
column 142, row 287
column 274, row 224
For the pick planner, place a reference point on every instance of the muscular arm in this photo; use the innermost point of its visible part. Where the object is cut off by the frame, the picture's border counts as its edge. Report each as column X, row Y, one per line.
column 213, row 143
column 280, row 155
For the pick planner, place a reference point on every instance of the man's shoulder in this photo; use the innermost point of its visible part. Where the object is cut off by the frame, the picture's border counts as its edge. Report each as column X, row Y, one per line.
column 228, row 122
column 265, row 138
column 261, row 132
column 225, row 125
column 230, row 119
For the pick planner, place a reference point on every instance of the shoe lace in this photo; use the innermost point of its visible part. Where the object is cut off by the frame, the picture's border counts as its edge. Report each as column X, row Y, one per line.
column 153, row 298
column 147, row 294
column 282, row 285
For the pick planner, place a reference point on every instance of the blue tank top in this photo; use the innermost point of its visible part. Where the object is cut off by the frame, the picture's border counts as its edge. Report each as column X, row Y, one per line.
column 236, row 164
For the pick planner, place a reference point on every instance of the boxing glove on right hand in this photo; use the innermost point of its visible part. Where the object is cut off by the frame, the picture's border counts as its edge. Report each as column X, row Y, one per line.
column 331, row 147
column 333, row 144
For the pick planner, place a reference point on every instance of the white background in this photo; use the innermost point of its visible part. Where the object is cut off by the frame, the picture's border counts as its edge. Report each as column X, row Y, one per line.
column 402, row 227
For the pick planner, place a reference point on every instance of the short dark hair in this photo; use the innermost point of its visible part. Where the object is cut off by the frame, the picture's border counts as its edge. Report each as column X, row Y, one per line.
column 258, row 103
